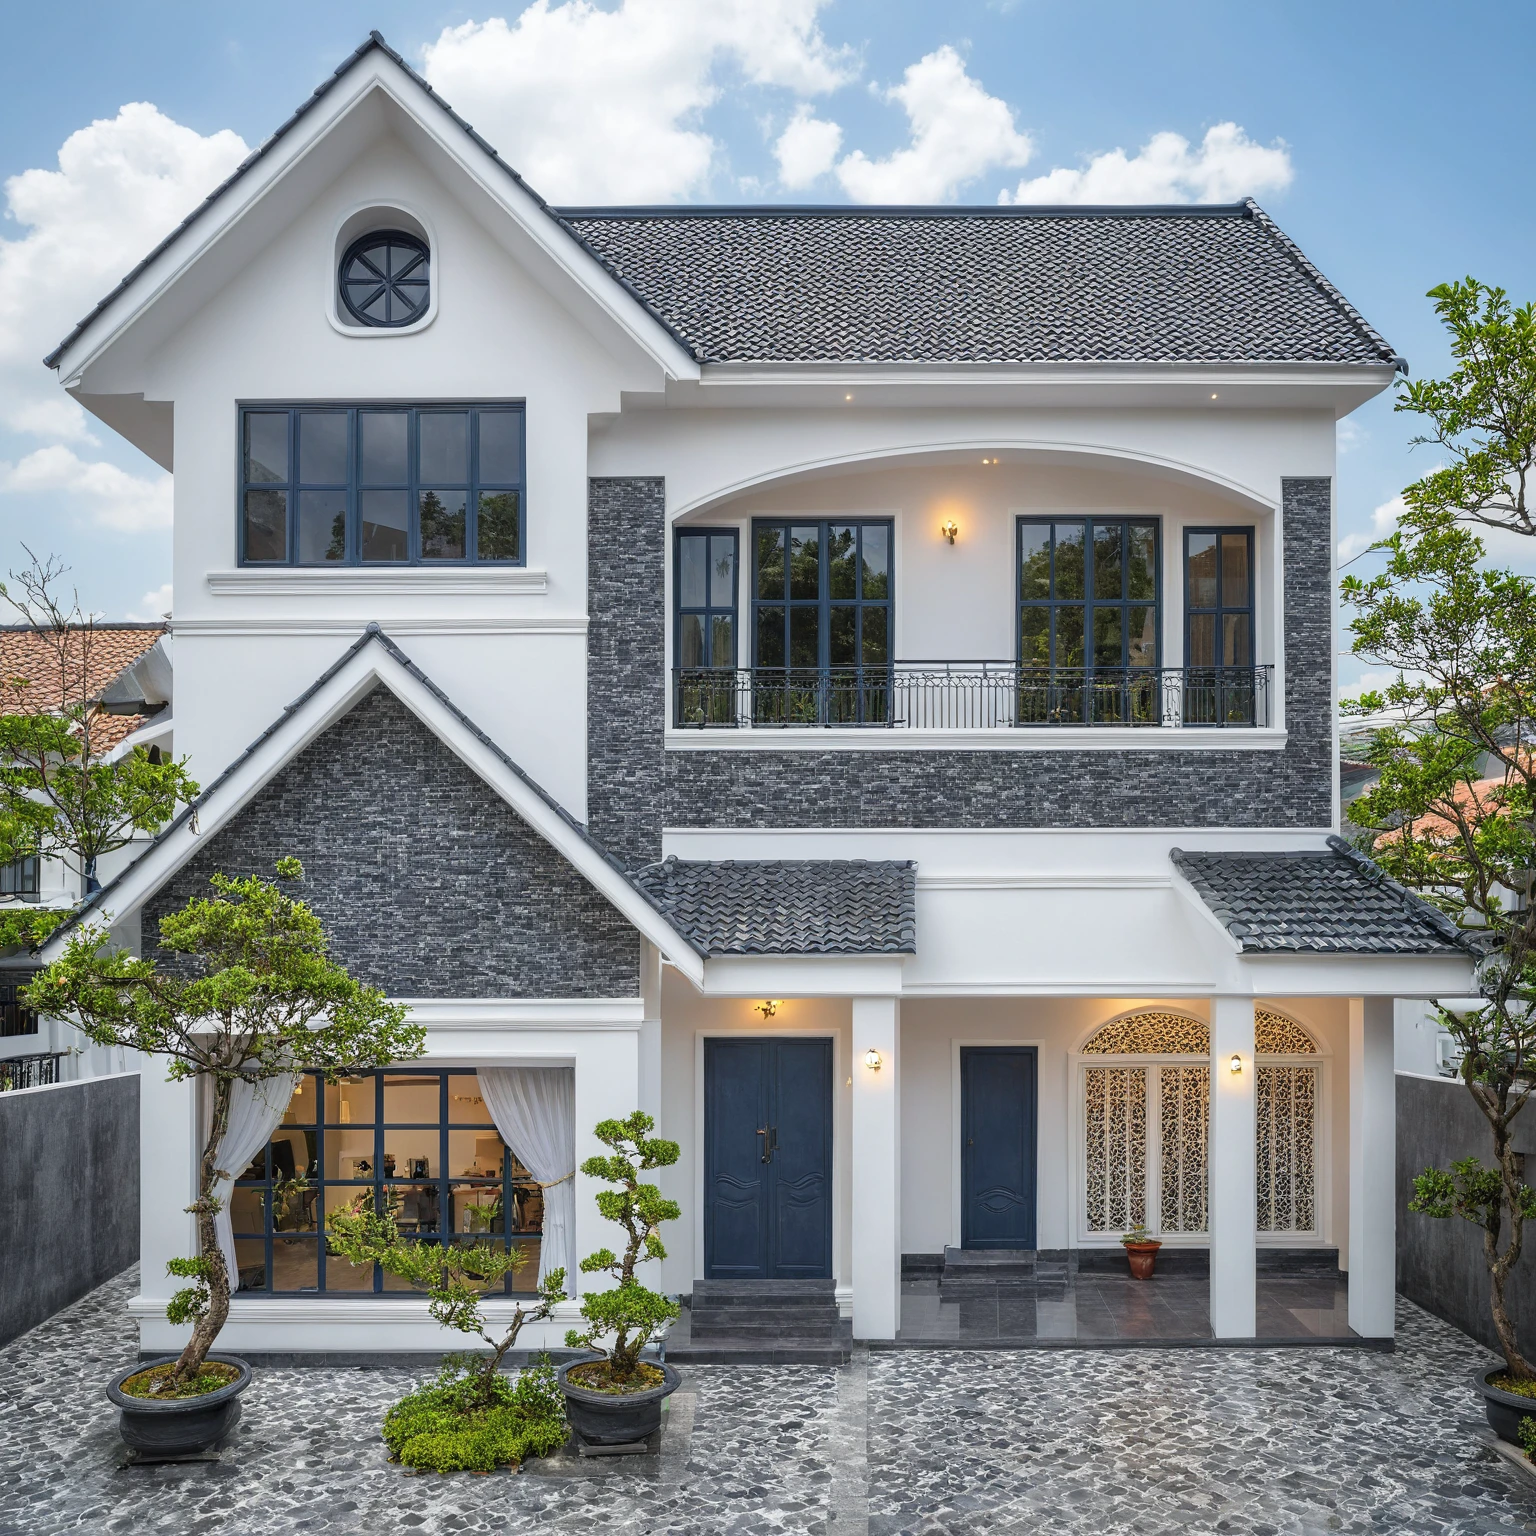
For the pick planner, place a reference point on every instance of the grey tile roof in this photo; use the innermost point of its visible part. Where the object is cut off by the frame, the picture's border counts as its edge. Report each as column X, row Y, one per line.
column 981, row 285
column 1334, row 901
column 788, row 906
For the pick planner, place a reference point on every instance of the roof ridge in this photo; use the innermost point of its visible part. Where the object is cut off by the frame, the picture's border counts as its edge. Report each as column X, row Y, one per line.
column 904, row 210
column 1329, row 291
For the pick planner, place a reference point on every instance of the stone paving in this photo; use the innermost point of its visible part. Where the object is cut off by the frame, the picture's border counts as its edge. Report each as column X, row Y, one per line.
column 1255, row 1442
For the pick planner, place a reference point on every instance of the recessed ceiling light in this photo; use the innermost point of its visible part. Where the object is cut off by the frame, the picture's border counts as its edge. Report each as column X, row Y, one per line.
column 1213, row 397
column 850, row 397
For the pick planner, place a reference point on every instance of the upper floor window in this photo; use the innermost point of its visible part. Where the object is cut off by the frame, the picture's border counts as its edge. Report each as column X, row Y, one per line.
column 1218, row 597
column 381, row 485
column 705, row 583
column 1088, row 593
column 386, row 279
column 21, row 877
column 822, row 595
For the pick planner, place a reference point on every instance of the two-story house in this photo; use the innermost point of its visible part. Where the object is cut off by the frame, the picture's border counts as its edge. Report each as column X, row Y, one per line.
column 856, row 683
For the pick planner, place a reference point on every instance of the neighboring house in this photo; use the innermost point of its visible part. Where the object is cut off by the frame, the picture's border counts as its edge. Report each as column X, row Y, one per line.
column 857, row 683
column 124, row 671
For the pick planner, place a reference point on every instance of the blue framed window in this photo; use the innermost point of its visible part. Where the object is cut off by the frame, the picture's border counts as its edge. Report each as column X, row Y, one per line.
column 21, row 877
column 15, row 1017
column 823, row 621
column 382, row 485
column 1089, row 631
column 704, row 585
column 419, row 1143
column 1218, row 597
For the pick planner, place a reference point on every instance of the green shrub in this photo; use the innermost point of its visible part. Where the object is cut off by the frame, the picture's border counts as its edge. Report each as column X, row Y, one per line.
column 445, row 1427
column 1528, row 1437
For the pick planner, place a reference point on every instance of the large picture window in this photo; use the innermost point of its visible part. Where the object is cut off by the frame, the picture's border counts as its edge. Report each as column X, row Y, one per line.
column 1088, row 636
column 417, row 1143
column 381, row 485
column 822, row 623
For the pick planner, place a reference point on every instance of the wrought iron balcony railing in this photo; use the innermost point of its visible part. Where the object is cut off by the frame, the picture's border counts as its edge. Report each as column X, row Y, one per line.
column 969, row 696
column 30, row 1071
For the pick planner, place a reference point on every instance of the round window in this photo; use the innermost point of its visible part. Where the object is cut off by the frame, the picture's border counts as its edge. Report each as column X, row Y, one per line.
column 386, row 278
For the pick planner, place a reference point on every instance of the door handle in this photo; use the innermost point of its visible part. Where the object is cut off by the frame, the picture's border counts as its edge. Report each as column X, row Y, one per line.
column 766, row 1133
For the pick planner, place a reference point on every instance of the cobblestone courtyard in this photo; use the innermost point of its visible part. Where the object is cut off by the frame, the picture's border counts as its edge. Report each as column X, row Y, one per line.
column 1273, row 1441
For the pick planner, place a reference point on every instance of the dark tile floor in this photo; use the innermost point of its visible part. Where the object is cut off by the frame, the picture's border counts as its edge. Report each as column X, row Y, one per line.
column 1067, row 1308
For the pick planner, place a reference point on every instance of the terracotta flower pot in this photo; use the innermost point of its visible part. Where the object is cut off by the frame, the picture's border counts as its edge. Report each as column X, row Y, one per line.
column 1142, row 1256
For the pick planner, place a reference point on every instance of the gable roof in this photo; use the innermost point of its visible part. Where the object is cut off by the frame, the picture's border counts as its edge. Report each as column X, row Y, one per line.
column 373, row 43
column 789, row 906
column 30, row 663
column 1334, row 901
column 1212, row 284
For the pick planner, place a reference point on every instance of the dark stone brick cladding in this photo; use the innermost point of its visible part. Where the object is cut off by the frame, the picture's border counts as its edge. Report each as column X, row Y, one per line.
column 626, row 703
column 626, row 651
column 428, row 883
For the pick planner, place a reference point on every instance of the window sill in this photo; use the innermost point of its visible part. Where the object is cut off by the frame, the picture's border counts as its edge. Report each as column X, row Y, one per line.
column 454, row 581
column 1056, row 739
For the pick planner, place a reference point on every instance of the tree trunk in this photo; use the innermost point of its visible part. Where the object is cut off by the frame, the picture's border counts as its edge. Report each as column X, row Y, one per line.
column 208, row 1326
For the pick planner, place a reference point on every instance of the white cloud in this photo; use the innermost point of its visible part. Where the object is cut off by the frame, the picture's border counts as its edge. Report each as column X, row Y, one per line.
column 806, row 149
column 121, row 184
column 606, row 105
column 154, row 606
column 111, row 496
column 1383, row 521
column 958, row 132
column 1227, row 165
column 1348, row 435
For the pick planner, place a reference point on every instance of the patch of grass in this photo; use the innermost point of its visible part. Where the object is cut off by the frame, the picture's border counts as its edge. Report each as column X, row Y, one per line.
column 1513, row 1384
column 445, row 1427
column 155, row 1382
column 594, row 1377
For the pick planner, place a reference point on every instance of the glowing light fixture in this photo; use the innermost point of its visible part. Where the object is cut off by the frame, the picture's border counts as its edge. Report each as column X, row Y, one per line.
column 847, row 397
column 1237, row 1062
column 949, row 528
column 872, row 1059
column 768, row 1007
column 1215, row 397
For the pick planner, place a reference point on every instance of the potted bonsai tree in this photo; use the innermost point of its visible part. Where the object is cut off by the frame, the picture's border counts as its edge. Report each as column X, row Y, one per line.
column 471, row 1418
column 616, row 1399
column 1141, row 1249
column 247, row 994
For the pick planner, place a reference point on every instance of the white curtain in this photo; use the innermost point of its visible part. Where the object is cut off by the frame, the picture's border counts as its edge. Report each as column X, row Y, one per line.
column 255, row 1110
column 535, row 1110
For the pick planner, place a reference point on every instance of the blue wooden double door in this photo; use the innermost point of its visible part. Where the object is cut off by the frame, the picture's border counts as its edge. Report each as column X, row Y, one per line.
column 767, row 1159
column 998, row 1112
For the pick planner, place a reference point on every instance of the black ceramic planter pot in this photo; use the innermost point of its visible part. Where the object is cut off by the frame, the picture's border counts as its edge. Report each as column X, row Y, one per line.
column 1504, row 1409
column 615, row 1418
column 181, row 1426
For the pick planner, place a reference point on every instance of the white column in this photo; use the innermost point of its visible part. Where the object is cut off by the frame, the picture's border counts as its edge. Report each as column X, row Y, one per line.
column 1372, row 1167
column 650, row 1036
column 1233, row 1174
column 876, row 1255
column 169, row 1152
column 607, row 1088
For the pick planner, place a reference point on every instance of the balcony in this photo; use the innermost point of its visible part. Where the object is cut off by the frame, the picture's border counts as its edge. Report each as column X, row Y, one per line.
column 969, row 696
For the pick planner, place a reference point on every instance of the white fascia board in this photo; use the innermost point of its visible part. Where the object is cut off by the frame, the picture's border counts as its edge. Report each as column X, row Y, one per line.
column 378, row 73
column 436, row 1014
column 1322, row 975
column 370, row 667
column 802, row 976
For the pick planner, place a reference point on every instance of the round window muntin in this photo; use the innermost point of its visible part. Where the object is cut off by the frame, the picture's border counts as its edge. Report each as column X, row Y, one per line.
column 405, row 284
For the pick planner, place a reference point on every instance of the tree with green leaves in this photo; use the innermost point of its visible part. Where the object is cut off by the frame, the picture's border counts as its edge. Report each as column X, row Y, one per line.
column 63, row 794
column 1453, row 814
column 246, row 989
column 627, row 1313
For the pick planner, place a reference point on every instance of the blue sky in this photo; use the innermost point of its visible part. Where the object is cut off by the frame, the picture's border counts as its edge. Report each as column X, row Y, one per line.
column 1363, row 123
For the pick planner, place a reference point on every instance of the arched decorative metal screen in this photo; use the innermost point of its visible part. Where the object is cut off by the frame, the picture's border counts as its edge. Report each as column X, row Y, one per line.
column 1146, row 1127
column 1151, row 1034
column 1116, row 1125
column 1185, row 1104
column 1276, row 1035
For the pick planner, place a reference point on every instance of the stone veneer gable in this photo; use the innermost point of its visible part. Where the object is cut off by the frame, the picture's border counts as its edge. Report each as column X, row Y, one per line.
column 429, row 884
column 635, row 787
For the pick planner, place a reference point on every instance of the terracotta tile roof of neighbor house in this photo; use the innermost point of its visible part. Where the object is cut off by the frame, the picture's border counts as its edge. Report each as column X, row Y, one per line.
column 980, row 285
column 788, row 906
column 1333, row 900
column 29, row 671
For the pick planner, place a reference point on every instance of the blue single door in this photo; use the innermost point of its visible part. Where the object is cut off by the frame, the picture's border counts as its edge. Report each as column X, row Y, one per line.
column 767, row 1159
column 997, row 1154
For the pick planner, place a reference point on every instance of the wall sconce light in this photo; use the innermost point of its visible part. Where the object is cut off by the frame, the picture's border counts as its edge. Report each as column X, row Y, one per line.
column 949, row 528
column 767, row 1007
column 872, row 1059
column 1237, row 1062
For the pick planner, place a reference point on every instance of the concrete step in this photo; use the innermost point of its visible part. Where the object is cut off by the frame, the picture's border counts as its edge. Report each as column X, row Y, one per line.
column 764, row 1292
column 985, row 1266
column 702, row 1328
column 784, row 1350
column 786, row 1319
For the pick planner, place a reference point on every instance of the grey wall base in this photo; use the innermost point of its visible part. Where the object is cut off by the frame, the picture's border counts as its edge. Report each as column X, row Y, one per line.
column 1440, row 1262
column 69, row 1194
